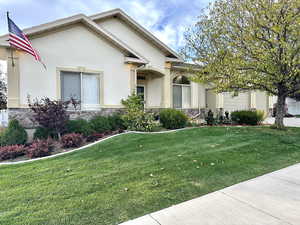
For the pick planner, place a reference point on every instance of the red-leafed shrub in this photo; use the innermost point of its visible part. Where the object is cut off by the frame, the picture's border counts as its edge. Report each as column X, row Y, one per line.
column 40, row 148
column 71, row 140
column 52, row 114
column 11, row 151
column 94, row 137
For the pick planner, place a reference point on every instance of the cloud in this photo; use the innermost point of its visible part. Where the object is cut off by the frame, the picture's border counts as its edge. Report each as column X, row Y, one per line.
column 165, row 19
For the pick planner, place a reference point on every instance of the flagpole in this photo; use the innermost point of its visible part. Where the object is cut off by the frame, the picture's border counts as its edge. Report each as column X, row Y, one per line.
column 11, row 49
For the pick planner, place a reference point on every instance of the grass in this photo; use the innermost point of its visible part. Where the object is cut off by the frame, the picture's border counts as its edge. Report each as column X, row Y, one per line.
column 135, row 174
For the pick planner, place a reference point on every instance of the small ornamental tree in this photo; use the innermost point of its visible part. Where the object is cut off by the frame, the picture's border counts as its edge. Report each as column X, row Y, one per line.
column 249, row 45
column 51, row 114
column 135, row 117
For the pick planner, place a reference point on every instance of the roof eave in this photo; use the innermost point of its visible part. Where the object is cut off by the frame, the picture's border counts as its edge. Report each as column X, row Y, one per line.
column 73, row 20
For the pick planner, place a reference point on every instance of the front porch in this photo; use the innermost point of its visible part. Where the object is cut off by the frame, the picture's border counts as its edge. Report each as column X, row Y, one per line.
column 165, row 88
column 150, row 86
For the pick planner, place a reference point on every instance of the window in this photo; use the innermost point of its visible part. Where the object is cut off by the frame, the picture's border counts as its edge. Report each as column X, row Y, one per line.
column 181, row 92
column 83, row 87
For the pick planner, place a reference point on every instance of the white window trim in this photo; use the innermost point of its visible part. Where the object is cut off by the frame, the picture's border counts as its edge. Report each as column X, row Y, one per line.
column 82, row 70
column 183, row 85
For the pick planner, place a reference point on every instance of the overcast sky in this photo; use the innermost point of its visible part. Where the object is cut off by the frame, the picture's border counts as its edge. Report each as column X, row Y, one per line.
column 166, row 19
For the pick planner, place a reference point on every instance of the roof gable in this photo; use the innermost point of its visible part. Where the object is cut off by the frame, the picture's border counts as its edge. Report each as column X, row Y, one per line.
column 170, row 54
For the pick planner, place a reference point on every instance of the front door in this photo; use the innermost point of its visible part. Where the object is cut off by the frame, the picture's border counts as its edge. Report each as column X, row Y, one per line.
column 140, row 90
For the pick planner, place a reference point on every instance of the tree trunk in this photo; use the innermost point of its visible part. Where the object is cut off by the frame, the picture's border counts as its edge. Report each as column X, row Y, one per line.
column 280, row 111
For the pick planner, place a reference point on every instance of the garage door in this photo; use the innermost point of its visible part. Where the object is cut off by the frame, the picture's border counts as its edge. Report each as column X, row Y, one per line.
column 240, row 102
column 293, row 106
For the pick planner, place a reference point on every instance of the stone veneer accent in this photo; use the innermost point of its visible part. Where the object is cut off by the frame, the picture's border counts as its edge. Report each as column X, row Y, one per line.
column 25, row 116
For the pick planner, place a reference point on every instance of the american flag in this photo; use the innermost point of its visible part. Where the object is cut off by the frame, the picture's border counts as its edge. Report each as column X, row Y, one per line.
column 19, row 40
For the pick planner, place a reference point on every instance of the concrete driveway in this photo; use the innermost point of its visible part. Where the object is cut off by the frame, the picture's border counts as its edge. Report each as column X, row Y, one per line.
column 272, row 199
column 290, row 122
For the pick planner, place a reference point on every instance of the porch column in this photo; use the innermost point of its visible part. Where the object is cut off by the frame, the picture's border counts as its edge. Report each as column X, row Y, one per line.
column 252, row 100
column 271, row 101
column 166, row 94
column 219, row 101
column 13, row 81
column 132, row 78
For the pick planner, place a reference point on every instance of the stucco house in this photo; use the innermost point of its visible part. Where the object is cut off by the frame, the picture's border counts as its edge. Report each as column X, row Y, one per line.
column 103, row 58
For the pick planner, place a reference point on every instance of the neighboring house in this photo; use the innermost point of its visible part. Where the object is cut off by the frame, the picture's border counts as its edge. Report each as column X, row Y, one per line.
column 101, row 59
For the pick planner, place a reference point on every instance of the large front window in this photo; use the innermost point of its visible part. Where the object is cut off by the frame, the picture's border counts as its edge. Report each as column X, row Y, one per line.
column 81, row 86
column 181, row 92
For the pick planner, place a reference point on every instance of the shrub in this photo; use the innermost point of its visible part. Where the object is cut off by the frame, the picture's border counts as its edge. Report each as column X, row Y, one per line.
column 135, row 118
column 72, row 140
column 210, row 118
column 52, row 114
column 262, row 115
column 173, row 119
column 79, row 126
column 247, row 117
column 95, row 137
column 15, row 134
column 40, row 148
column 100, row 124
column 11, row 151
column 116, row 122
column 226, row 115
column 42, row 133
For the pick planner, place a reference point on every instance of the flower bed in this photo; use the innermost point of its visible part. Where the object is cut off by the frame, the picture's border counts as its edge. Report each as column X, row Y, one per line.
column 42, row 148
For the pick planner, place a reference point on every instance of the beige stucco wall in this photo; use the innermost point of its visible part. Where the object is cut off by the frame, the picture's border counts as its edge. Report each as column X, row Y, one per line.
column 262, row 101
column 239, row 102
column 154, row 92
column 72, row 48
column 3, row 53
column 135, row 41
column 211, row 99
column 202, row 96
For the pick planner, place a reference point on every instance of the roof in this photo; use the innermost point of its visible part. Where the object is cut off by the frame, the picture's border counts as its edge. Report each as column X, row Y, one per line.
column 36, row 30
column 186, row 66
column 171, row 54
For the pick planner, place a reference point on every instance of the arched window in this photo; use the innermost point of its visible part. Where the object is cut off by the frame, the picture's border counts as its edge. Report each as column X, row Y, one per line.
column 181, row 92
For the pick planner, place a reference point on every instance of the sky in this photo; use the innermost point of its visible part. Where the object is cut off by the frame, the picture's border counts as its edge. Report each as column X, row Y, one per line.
column 166, row 19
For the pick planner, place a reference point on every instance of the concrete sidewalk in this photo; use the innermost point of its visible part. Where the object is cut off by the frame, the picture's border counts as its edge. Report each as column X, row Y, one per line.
column 289, row 122
column 272, row 199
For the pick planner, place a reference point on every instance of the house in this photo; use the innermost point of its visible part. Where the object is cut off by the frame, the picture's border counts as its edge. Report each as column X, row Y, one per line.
column 103, row 58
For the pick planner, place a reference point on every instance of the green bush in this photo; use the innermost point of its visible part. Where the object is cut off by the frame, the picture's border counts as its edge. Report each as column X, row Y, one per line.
column 262, row 115
column 15, row 134
column 210, row 120
column 100, row 124
column 79, row 126
column 173, row 119
column 43, row 133
column 116, row 122
column 135, row 117
column 247, row 117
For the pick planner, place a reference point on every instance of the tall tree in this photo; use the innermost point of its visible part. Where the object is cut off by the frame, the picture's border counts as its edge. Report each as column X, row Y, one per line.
column 249, row 45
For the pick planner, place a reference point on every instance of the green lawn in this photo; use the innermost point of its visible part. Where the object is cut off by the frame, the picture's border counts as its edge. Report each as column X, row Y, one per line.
column 134, row 174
